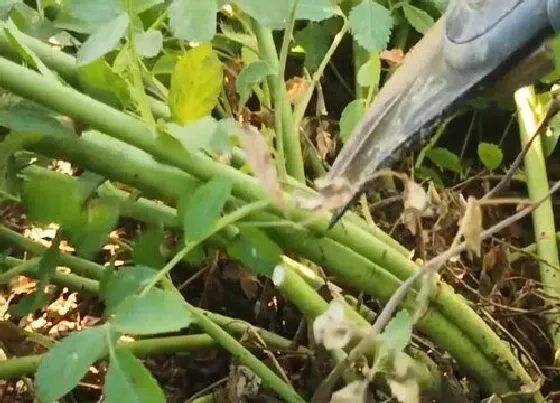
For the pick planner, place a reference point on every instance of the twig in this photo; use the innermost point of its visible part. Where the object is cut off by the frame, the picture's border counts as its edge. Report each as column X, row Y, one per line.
column 327, row 385
column 550, row 113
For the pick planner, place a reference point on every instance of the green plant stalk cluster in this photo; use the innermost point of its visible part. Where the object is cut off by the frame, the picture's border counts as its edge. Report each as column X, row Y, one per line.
column 543, row 216
column 508, row 371
column 351, row 241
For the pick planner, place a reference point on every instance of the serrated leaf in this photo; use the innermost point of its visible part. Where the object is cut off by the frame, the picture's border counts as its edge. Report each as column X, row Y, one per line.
column 148, row 247
column 398, row 331
column 99, row 81
column 103, row 40
column 256, row 251
column 445, row 159
column 490, row 155
column 128, row 381
column 316, row 10
column 156, row 312
column 252, row 74
column 418, row 18
column 51, row 197
column 149, row 43
column 350, row 117
column 68, row 361
column 370, row 72
column 315, row 40
column 371, row 25
column 196, row 84
column 92, row 230
column 125, row 282
column 201, row 210
column 193, row 20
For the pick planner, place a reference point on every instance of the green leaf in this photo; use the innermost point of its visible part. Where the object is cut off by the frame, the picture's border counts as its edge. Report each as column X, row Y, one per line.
column 14, row 37
column 125, row 282
column 148, row 247
column 156, row 312
column 105, row 39
column 272, row 14
column 51, row 197
column 445, row 159
column 316, row 10
column 398, row 331
column 149, row 43
column 490, row 155
column 94, row 12
column 315, row 40
column 68, row 361
column 256, row 251
column 193, row 20
column 423, row 172
column 252, row 74
column 128, row 381
column 201, row 210
column 370, row 72
column 92, row 230
column 194, row 135
column 550, row 141
column 165, row 63
column 99, row 81
column 350, row 117
column 196, row 84
column 371, row 25
column 418, row 18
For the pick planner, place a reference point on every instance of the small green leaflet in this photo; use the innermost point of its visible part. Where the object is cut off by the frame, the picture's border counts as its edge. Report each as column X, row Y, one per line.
column 370, row 72
column 193, row 20
column 371, row 25
column 103, row 40
column 149, row 43
column 350, row 117
column 128, row 381
column 315, row 40
column 256, row 251
column 418, row 18
column 125, row 282
column 158, row 311
column 201, row 210
column 148, row 247
column 41, row 194
column 68, row 361
column 98, row 80
column 252, row 74
column 398, row 331
column 490, row 155
column 445, row 159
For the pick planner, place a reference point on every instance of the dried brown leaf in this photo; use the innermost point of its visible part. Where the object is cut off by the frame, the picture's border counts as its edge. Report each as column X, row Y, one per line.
column 296, row 88
column 395, row 56
column 260, row 160
column 471, row 225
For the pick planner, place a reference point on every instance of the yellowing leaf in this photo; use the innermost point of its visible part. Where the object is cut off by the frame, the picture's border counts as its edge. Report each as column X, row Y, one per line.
column 196, row 84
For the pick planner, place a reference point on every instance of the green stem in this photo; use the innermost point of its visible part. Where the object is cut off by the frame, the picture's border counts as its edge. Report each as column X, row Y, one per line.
column 543, row 216
column 288, row 147
column 17, row 367
column 222, row 223
column 268, row 377
column 357, row 240
column 72, row 281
